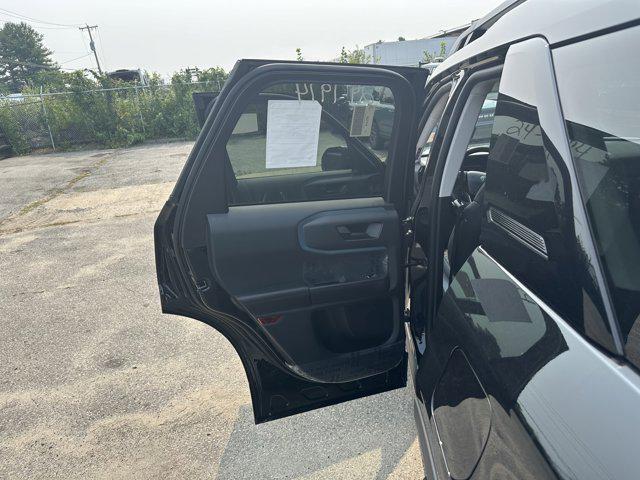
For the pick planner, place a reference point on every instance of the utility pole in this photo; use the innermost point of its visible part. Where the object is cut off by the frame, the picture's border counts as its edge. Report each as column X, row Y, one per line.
column 92, row 44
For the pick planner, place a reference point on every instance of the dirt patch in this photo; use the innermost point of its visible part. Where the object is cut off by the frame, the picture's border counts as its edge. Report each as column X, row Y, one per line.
column 75, row 207
column 52, row 194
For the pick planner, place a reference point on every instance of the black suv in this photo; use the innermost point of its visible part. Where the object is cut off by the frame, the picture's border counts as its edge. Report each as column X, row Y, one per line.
column 504, row 276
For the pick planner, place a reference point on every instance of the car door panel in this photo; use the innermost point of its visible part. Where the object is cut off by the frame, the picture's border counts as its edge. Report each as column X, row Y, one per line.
column 306, row 285
column 501, row 356
column 303, row 245
column 502, row 332
column 293, row 263
column 545, row 383
column 308, row 186
column 461, row 415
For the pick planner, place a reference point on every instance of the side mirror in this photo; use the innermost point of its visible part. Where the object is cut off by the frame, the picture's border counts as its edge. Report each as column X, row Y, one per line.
column 336, row 158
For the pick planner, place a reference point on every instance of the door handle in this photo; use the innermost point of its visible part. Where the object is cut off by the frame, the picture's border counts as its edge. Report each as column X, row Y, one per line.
column 362, row 231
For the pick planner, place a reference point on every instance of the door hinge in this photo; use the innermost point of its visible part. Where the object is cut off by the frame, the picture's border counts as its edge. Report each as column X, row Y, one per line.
column 407, row 228
column 416, row 262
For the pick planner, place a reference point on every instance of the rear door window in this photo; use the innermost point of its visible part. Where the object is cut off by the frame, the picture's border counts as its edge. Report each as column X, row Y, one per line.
column 525, row 198
column 528, row 224
column 482, row 132
column 601, row 104
column 311, row 141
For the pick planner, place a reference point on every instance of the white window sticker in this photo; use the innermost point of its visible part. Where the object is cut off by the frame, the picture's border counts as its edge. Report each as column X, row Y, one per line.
column 293, row 131
column 247, row 123
column 362, row 120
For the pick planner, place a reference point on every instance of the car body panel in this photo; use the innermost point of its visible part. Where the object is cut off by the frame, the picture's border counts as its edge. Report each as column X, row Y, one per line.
column 562, row 400
column 556, row 21
column 546, row 385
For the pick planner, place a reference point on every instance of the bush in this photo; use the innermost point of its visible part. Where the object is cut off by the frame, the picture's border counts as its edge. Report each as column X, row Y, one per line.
column 15, row 134
column 106, row 112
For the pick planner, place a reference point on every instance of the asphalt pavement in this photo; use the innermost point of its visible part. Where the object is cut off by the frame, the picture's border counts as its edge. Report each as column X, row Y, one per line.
column 96, row 383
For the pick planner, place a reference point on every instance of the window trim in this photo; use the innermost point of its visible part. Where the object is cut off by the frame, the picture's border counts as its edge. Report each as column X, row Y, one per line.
column 545, row 96
column 446, row 89
column 552, row 119
column 579, row 208
column 455, row 107
column 614, row 35
column 257, row 86
column 462, row 134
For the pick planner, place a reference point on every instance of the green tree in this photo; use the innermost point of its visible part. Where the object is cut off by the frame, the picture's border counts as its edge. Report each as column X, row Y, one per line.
column 357, row 55
column 299, row 56
column 344, row 55
column 428, row 57
column 401, row 39
column 214, row 77
column 22, row 56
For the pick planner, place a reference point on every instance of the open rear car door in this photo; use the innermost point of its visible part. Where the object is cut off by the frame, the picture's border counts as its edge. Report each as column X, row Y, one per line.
column 284, row 231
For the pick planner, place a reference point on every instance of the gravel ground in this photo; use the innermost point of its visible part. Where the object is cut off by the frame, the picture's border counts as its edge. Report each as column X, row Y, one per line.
column 96, row 383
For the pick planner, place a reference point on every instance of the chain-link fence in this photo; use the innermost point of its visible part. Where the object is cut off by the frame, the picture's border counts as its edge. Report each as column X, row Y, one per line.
column 109, row 117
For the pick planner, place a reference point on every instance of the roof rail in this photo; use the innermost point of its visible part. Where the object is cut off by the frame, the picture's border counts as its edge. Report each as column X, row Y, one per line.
column 480, row 26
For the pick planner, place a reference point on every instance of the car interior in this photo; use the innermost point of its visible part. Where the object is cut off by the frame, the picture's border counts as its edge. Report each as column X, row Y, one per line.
column 313, row 251
column 348, row 168
column 463, row 184
column 465, row 213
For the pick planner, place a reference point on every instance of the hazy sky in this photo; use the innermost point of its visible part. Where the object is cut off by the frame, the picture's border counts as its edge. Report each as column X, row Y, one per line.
column 166, row 35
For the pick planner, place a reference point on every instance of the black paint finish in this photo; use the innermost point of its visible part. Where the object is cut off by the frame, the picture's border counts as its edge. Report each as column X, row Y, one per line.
column 559, row 408
column 528, row 311
column 529, row 182
column 311, row 330
column 462, row 416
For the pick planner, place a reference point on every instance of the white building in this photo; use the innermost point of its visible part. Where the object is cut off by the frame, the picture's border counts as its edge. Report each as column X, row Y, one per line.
column 410, row 53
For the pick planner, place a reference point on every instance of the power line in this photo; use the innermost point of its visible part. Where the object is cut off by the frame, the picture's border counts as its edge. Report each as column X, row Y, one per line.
column 14, row 61
column 70, row 52
column 77, row 58
column 26, row 17
column 84, row 41
column 33, row 25
column 57, row 26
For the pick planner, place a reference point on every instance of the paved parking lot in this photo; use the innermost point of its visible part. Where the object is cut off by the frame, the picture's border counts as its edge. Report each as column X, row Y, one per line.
column 96, row 383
